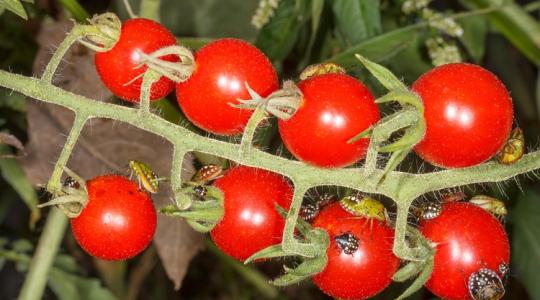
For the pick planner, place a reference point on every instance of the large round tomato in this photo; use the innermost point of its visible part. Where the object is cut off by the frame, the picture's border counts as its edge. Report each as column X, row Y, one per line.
column 250, row 222
column 335, row 108
column 119, row 66
column 468, row 113
column 467, row 239
column 118, row 221
column 222, row 69
column 360, row 258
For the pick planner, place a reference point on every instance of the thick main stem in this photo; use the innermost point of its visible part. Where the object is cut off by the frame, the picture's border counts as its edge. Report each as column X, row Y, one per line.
column 55, row 227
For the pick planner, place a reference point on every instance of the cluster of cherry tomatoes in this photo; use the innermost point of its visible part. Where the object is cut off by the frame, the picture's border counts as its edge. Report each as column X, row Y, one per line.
column 468, row 115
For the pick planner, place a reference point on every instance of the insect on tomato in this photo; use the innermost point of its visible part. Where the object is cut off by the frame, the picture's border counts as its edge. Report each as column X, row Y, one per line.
column 335, row 108
column 118, row 221
column 145, row 175
column 468, row 114
column 360, row 258
column 223, row 67
column 467, row 239
column 250, row 222
column 119, row 66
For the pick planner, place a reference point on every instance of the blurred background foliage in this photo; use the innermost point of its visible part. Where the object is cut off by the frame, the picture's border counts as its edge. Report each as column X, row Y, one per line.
column 409, row 37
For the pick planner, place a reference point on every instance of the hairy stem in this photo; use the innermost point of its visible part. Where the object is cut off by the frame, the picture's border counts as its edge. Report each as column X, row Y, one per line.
column 75, row 33
column 48, row 245
column 176, row 177
column 290, row 244
column 401, row 248
column 149, row 78
column 381, row 133
column 55, row 227
column 249, row 132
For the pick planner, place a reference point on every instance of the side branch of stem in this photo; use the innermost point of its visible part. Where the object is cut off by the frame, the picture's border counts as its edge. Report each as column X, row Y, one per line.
column 55, row 227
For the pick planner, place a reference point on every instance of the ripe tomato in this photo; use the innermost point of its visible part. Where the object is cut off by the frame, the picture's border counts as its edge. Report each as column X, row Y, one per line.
column 118, row 221
column 117, row 67
column 222, row 69
column 250, row 222
column 355, row 273
column 468, row 115
column 335, row 108
column 468, row 238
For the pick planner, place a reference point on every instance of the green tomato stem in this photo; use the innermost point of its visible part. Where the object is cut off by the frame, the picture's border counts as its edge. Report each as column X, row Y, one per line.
column 75, row 33
column 55, row 227
column 246, row 143
column 48, row 245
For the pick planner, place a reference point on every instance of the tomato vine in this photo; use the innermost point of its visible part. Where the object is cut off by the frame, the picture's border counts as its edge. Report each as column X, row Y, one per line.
column 403, row 188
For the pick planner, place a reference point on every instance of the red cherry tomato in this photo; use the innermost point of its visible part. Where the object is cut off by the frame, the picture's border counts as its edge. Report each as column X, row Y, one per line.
column 355, row 273
column 118, row 66
column 467, row 238
column 335, row 108
column 222, row 69
column 468, row 114
column 118, row 221
column 251, row 222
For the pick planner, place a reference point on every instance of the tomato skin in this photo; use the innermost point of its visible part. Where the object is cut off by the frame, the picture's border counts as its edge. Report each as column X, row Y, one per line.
column 118, row 221
column 468, row 238
column 222, row 68
column 366, row 272
column 250, row 222
column 117, row 66
column 335, row 108
column 468, row 114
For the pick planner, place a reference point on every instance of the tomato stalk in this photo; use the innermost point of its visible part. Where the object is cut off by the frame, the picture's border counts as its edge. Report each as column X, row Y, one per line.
column 100, row 35
column 402, row 187
column 410, row 118
column 55, row 227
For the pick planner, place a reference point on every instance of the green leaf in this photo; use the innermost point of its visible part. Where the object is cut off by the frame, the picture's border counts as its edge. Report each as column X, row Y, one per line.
column 383, row 75
column 316, row 12
column 277, row 37
column 76, row 10
column 14, row 6
column 68, row 285
column 520, row 28
column 213, row 18
column 379, row 48
column 14, row 101
column 526, row 241
column 357, row 19
column 22, row 246
column 193, row 43
column 474, row 37
column 13, row 174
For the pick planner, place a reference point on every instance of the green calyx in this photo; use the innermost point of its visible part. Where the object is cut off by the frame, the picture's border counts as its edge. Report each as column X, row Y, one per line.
column 102, row 32
column 177, row 71
column 70, row 199
column 282, row 103
column 410, row 120
column 308, row 266
column 420, row 268
column 205, row 211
